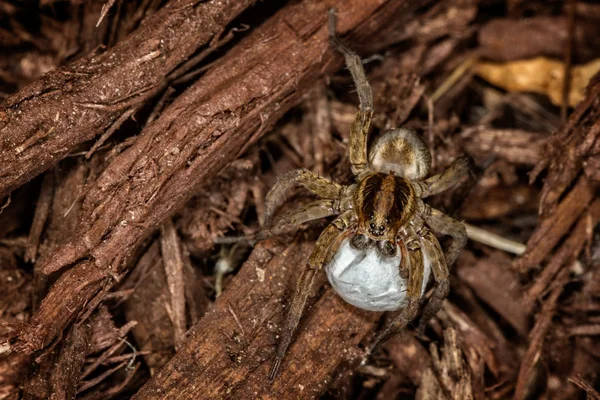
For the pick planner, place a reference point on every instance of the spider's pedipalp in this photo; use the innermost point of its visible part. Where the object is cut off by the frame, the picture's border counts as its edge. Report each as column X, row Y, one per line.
column 402, row 152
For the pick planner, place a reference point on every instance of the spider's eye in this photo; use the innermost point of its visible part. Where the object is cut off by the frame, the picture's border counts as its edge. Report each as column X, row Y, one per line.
column 381, row 228
column 372, row 226
column 387, row 248
column 359, row 242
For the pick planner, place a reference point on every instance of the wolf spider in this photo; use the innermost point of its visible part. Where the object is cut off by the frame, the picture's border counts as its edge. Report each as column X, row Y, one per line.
column 380, row 251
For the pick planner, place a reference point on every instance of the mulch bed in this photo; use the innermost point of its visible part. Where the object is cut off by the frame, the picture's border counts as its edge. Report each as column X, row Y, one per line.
column 133, row 134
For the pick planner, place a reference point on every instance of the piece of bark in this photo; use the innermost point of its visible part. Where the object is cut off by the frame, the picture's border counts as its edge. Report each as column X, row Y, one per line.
column 14, row 306
column 498, row 287
column 538, row 335
column 513, row 145
column 409, row 356
column 207, row 126
column 50, row 117
column 552, row 228
column 563, row 257
column 449, row 377
column 506, row 39
column 476, row 345
column 170, row 248
column 42, row 210
column 592, row 394
column 68, row 367
column 147, row 306
column 229, row 352
column 569, row 148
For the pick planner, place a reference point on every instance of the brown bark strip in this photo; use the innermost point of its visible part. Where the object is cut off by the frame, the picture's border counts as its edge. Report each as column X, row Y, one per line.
column 148, row 306
column 567, row 253
column 556, row 225
column 498, row 287
column 228, row 353
column 48, row 118
column 198, row 134
column 67, row 371
column 538, row 334
column 583, row 384
column 42, row 210
column 173, row 262
column 569, row 148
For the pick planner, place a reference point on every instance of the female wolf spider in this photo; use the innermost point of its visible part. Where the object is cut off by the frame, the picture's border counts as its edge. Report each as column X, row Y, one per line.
column 380, row 250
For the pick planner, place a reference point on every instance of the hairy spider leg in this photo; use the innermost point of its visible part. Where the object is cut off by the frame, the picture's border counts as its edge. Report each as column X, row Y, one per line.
column 362, row 121
column 455, row 175
column 441, row 223
column 433, row 251
column 318, row 258
column 285, row 223
column 414, row 264
column 322, row 187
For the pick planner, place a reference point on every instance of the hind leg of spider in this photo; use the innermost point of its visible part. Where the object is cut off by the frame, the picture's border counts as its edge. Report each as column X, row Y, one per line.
column 362, row 121
column 328, row 239
column 433, row 252
column 441, row 223
column 414, row 264
column 318, row 185
column 454, row 176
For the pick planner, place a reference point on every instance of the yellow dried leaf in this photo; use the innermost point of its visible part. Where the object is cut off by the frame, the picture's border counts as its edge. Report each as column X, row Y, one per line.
column 539, row 75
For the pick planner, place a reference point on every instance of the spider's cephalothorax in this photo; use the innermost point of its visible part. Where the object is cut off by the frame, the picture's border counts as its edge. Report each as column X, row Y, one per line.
column 383, row 203
column 380, row 250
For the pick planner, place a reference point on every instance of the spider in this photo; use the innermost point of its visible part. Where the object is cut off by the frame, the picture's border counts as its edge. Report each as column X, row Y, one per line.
column 380, row 251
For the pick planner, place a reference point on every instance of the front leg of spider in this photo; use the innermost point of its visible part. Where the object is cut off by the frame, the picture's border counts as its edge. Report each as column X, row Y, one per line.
column 359, row 131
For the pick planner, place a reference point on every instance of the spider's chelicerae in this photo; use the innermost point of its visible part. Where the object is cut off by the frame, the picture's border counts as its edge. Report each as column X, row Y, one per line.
column 381, row 249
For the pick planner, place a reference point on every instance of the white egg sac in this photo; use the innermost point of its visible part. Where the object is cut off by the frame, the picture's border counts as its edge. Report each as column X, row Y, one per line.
column 369, row 280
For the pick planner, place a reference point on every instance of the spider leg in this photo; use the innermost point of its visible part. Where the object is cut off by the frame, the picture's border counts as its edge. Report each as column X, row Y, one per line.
column 440, row 222
column 455, row 175
column 414, row 264
column 319, row 257
column 360, row 127
column 433, row 252
column 285, row 223
column 316, row 210
column 320, row 186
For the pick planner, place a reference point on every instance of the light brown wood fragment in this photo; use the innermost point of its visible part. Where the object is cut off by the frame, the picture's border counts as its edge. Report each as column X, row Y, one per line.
column 172, row 260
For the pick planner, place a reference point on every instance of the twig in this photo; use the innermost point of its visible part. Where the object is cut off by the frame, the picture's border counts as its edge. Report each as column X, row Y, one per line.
column 493, row 240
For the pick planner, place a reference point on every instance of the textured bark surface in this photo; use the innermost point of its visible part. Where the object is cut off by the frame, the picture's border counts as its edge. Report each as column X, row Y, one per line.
column 49, row 118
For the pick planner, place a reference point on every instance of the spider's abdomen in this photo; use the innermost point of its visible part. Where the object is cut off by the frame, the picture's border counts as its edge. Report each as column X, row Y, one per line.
column 383, row 203
column 402, row 152
column 369, row 280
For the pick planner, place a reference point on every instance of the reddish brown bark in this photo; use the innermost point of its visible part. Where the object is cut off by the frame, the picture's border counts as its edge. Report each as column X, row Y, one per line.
column 47, row 119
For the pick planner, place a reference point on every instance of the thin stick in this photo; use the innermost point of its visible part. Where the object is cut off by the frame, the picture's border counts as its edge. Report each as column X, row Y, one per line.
column 493, row 240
